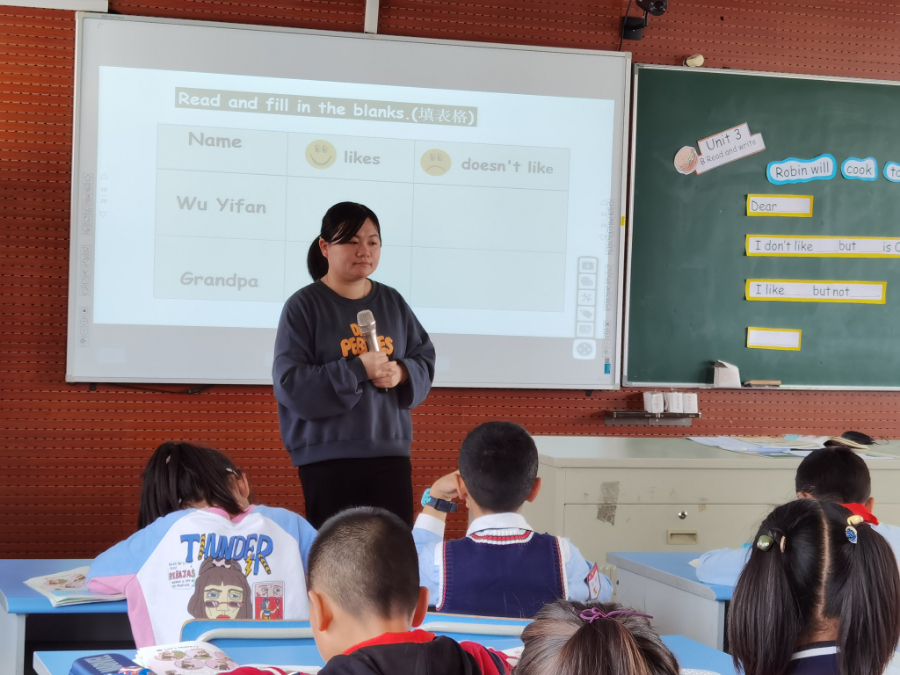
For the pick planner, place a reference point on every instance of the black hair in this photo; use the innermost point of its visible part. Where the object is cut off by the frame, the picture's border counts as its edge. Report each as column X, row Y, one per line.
column 783, row 598
column 339, row 225
column 560, row 642
column 498, row 462
column 180, row 473
column 365, row 560
column 835, row 474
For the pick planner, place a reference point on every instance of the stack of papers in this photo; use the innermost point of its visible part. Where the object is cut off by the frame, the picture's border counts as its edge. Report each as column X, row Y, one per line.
column 67, row 588
column 740, row 444
column 789, row 445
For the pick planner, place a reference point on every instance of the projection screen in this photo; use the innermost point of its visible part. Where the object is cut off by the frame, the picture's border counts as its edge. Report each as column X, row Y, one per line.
column 206, row 154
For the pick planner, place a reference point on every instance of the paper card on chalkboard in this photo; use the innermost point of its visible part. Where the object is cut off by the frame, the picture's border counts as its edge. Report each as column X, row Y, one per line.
column 805, row 290
column 792, row 206
column 821, row 246
column 686, row 160
column 854, row 168
column 727, row 146
column 892, row 171
column 774, row 338
column 793, row 170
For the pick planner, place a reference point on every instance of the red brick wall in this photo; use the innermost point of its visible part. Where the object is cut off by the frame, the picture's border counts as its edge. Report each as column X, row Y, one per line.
column 70, row 457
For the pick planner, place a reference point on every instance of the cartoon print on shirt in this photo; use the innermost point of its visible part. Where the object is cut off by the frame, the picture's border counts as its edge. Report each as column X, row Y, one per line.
column 221, row 591
column 268, row 598
column 252, row 549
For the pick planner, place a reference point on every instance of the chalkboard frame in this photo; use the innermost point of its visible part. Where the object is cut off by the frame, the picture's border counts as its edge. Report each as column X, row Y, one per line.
column 632, row 175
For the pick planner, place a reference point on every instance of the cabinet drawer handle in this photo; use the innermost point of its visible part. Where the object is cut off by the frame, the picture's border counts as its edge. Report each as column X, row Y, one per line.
column 682, row 537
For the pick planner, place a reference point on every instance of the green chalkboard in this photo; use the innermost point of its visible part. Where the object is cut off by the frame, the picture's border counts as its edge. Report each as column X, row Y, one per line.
column 688, row 266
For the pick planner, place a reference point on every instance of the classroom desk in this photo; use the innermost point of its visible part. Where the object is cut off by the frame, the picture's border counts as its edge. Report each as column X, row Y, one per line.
column 18, row 602
column 670, row 494
column 665, row 586
column 692, row 655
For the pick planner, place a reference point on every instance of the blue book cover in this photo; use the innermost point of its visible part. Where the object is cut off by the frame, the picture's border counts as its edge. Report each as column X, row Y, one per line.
column 101, row 664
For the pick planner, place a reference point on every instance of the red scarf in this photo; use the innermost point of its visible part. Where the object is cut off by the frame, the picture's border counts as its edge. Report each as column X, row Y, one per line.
column 860, row 510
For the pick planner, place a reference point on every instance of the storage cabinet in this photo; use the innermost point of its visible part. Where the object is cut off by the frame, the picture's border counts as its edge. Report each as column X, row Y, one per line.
column 654, row 494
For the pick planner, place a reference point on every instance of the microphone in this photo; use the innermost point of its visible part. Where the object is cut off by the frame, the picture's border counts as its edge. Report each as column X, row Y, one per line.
column 366, row 322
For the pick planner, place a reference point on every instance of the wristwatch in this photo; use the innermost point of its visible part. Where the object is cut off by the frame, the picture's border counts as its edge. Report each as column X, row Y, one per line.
column 438, row 504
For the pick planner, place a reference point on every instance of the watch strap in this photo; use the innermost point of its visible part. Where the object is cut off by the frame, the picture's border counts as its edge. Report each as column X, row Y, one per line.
column 438, row 504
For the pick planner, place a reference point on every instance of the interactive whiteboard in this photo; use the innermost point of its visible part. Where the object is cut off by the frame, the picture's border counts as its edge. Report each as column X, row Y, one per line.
column 206, row 155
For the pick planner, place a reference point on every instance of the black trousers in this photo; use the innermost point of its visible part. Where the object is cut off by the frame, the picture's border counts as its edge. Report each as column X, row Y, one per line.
column 337, row 484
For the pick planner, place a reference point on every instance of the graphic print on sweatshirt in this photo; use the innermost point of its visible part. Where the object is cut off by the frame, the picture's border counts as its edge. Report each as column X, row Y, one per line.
column 203, row 565
column 268, row 601
column 221, row 589
column 356, row 345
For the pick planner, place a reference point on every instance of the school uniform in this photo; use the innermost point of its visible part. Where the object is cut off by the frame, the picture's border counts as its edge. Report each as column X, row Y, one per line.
column 410, row 653
column 815, row 658
column 204, row 564
column 723, row 566
column 502, row 567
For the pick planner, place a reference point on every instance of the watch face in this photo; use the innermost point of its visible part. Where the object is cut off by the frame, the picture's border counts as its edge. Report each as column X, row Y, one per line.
column 444, row 505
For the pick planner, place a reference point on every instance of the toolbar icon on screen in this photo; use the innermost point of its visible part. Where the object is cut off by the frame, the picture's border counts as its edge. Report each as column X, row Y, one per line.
column 584, row 350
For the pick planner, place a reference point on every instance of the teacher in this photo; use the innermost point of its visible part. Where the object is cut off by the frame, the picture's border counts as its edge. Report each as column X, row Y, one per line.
column 344, row 410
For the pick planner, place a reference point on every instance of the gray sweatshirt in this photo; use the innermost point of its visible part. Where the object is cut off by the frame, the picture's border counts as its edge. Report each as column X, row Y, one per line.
column 327, row 408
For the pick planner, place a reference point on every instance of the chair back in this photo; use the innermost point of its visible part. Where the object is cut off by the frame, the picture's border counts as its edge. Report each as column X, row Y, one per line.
column 498, row 633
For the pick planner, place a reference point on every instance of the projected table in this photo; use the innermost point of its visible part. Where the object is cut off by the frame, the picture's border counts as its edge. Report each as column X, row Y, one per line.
column 236, row 211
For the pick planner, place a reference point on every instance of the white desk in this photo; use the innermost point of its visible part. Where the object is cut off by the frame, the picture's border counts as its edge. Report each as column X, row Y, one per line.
column 627, row 494
column 665, row 586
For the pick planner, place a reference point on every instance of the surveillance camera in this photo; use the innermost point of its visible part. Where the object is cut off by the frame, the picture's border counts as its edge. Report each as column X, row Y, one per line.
column 633, row 27
column 654, row 7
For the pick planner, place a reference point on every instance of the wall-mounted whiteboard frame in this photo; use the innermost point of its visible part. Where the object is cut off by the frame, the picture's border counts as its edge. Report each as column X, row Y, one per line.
column 517, row 80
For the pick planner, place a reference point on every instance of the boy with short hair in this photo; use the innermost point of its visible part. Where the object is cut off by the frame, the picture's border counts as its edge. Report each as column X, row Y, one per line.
column 364, row 599
column 502, row 567
column 835, row 474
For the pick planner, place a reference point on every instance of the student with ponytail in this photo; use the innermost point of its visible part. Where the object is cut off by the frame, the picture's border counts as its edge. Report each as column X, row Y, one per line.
column 820, row 594
column 573, row 638
column 344, row 410
column 203, row 550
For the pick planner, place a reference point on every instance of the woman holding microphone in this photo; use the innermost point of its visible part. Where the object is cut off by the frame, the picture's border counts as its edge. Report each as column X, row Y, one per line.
column 343, row 409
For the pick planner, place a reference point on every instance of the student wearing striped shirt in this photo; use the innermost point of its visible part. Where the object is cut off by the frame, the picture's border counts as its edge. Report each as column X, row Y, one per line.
column 502, row 567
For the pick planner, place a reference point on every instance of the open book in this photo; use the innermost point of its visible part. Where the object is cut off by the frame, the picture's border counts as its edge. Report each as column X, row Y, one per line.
column 67, row 588
column 197, row 658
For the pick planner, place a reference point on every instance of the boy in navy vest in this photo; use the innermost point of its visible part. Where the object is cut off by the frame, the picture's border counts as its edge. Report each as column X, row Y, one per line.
column 502, row 567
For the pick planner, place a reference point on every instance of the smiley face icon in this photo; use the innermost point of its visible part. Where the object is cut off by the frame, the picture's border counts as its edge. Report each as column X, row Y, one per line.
column 435, row 162
column 320, row 154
